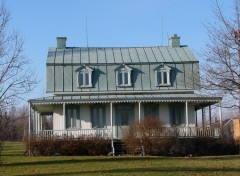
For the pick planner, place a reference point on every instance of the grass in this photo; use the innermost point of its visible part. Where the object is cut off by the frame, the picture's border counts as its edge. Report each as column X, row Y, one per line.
column 15, row 163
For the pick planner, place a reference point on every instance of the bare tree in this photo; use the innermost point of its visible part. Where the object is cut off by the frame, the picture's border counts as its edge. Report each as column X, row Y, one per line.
column 222, row 55
column 16, row 78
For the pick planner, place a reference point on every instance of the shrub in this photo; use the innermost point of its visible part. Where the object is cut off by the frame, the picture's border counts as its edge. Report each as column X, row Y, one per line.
column 144, row 135
column 70, row 146
column 147, row 136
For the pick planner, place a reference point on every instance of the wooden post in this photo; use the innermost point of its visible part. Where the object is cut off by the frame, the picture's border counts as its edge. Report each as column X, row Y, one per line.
column 210, row 115
column 139, row 111
column 111, row 121
column 64, row 117
column 186, row 115
column 203, row 117
column 29, row 120
column 220, row 114
column 196, row 119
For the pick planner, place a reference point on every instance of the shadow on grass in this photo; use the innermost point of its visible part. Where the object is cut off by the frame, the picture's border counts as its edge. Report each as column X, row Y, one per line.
column 114, row 159
column 144, row 171
column 83, row 160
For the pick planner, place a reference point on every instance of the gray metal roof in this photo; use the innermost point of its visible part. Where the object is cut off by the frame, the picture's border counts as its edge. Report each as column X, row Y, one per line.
column 80, row 99
column 112, row 55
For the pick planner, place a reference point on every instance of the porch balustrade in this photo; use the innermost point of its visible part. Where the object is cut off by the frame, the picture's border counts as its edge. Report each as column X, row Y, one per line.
column 99, row 132
column 107, row 132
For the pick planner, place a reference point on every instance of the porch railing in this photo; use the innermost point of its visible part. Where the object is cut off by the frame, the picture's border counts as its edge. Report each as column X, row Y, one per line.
column 190, row 132
column 100, row 132
column 107, row 132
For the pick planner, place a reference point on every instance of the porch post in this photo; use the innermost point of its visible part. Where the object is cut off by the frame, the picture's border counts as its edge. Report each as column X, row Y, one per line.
column 34, row 121
column 64, row 117
column 220, row 113
column 210, row 115
column 186, row 110
column 37, row 121
column 203, row 117
column 196, row 118
column 29, row 120
column 40, row 117
column 29, row 126
column 111, row 121
column 139, row 111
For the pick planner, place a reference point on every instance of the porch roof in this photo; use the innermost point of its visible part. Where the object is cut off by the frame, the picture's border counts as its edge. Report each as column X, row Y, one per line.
column 129, row 98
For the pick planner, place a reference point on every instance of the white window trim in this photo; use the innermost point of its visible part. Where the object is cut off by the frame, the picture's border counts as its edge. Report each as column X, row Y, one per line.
column 122, row 72
column 162, row 71
column 84, row 85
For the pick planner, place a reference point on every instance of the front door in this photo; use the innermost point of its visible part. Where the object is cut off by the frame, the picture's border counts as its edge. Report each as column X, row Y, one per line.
column 124, row 115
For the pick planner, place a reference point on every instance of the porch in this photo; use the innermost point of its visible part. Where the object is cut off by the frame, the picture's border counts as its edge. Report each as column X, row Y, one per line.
column 108, row 115
column 182, row 132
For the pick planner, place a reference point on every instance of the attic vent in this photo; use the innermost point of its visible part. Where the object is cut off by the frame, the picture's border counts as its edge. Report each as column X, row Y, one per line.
column 174, row 41
column 61, row 42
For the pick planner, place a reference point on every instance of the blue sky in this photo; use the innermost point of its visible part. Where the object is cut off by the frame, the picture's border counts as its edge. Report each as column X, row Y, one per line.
column 110, row 23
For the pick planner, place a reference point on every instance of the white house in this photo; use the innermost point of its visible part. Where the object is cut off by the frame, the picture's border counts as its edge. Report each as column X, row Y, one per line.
column 100, row 90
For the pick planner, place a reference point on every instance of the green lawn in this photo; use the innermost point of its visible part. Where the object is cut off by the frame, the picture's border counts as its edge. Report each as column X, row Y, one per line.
column 15, row 163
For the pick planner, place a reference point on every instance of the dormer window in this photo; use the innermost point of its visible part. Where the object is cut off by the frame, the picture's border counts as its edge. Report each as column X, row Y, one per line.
column 84, row 77
column 123, row 76
column 163, row 75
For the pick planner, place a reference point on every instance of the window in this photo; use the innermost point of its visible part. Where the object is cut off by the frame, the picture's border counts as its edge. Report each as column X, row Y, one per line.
column 72, row 116
column 163, row 76
column 124, row 114
column 98, row 116
column 84, row 77
column 123, row 76
column 176, row 111
column 151, row 110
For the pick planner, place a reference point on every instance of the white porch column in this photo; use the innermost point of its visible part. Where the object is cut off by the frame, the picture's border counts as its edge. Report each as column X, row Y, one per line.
column 29, row 120
column 112, row 135
column 210, row 115
column 220, row 113
column 64, row 117
column 111, row 118
column 196, row 118
column 186, row 110
column 139, row 111
column 41, row 124
column 203, row 117
column 34, row 121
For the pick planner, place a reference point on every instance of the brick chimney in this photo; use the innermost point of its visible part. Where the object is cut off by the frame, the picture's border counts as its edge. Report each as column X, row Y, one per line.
column 174, row 41
column 61, row 42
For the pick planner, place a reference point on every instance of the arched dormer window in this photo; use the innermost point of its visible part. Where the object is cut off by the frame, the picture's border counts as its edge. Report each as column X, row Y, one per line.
column 162, row 74
column 84, row 76
column 123, row 76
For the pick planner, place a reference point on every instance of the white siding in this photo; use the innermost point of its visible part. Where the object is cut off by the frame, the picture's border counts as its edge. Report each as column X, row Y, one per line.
column 58, row 118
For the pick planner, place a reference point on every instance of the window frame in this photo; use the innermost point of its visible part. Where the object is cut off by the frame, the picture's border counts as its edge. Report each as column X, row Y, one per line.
column 71, row 108
column 82, row 72
column 103, row 116
column 121, row 76
column 162, row 75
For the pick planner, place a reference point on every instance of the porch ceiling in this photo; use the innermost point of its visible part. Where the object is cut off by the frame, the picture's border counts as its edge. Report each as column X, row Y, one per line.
column 198, row 99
